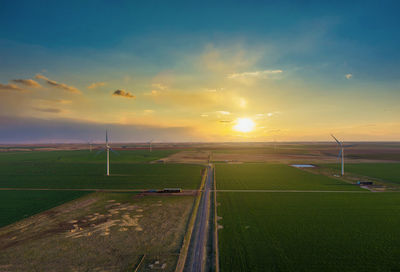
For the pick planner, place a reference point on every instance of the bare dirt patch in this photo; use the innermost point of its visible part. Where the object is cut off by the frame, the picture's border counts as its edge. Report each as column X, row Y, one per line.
column 110, row 231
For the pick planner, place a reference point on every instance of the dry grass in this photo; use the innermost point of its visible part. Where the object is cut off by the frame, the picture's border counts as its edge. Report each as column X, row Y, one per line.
column 100, row 232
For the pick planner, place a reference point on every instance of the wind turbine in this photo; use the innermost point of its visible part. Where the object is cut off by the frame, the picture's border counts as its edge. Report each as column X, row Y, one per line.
column 90, row 146
column 107, row 149
column 341, row 153
column 150, row 145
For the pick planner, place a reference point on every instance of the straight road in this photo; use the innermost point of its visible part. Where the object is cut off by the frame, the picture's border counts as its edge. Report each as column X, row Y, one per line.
column 197, row 250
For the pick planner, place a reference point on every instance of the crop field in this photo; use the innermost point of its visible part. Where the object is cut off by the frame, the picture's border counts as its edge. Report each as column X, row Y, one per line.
column 382, row 171
column 309, row 231
column 16, row 205
column 120, row 156
column 41, row 170
column 99, row 232
column 256, row 176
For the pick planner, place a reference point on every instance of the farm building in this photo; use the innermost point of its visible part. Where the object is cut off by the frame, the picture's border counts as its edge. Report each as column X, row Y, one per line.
column 172, row 190
column 360, row 182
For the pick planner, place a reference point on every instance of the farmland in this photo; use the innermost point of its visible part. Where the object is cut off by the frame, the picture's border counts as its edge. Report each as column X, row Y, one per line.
column 382, row 171
column 96, row 156
column 44, row 170
column 309, row 231
column 16, row 205
column 99, row 232
column 255, row 176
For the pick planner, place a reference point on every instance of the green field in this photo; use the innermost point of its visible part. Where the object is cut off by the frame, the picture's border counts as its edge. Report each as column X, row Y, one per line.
column 309, row 231
column 16, row 205
column 84, row 170
column 92, row 175
column 127, row 156
column 383, row 171
column 257, row 176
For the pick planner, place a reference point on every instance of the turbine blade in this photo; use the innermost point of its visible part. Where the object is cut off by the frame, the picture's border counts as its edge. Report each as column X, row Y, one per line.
column 340, row 153
column 115, row 152
column 100, row 151
column 339, row 143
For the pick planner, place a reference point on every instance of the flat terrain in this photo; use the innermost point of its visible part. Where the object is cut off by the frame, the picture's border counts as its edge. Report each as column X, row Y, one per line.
column 309, row 231
column 381, row 171
column 257, row 176
column 77, row 170
column 16, row 205
column 96, row 156
column 99, row 232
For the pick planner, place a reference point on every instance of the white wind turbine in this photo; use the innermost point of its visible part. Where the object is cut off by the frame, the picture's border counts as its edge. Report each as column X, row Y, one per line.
column 341, row 153
column 151, row 145
column 107, row 149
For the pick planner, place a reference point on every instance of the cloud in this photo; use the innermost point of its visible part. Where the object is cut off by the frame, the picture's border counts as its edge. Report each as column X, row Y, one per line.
column 159, row 86
column 27, row 82
column 123, row 93
column 49, row 110
column 349, row 76
column 10, row 87
column 256, row 74
column 148, row 112
column 223, row 112
column 225, row 121
column 56, row 84
column 96, row 84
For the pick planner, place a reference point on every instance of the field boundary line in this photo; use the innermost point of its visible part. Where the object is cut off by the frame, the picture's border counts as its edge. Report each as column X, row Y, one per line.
column 216, row 224
column 140, row 263
column 295, row 191
column 188, row 236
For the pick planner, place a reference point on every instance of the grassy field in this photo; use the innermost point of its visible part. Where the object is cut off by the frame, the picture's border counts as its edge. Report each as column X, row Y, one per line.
column 92, row 175
column 99, row 232
column 256, row 176
column 383, row 171
column 123, row 156
column 83, row 170
column 16, row 205
column 309, row 231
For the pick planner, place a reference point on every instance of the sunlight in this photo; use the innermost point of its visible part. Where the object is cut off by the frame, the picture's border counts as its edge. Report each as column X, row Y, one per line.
column 244, row 125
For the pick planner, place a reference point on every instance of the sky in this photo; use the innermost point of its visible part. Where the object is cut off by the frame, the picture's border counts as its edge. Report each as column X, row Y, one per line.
column 173, row 71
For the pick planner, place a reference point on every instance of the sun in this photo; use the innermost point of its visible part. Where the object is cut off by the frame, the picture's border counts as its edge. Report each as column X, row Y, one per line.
column 244, row 125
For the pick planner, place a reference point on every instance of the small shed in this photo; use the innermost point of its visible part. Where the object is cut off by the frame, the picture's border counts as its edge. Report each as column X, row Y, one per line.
column 361, row 182
column 172, row 190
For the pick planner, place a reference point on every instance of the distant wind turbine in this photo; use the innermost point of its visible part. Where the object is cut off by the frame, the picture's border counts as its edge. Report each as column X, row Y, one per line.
column 151, row 145
column 341, row 153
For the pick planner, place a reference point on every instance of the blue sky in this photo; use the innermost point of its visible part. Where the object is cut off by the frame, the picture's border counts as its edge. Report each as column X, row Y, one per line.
column 336, row 66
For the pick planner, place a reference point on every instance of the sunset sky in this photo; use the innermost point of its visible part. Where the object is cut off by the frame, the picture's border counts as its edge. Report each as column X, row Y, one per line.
column 198, row 70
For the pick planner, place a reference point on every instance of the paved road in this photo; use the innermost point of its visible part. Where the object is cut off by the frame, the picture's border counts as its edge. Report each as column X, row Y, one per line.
column 199, row 239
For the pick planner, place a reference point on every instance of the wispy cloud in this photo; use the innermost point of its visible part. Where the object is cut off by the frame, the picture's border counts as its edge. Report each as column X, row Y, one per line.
column 223, row 112
column 349, row 76
column 10, row 87
column 56, row 84
column 255, row 74
column 96, row 85
column 27, row 82
column 49, row 110
column 123, row 93
column 159, row 86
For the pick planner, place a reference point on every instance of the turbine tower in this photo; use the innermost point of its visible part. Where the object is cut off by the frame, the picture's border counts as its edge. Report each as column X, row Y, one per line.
column 107, row 148
column 150, row 145
column 108, row 154
column 341, row 153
